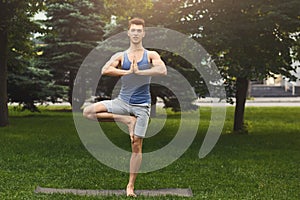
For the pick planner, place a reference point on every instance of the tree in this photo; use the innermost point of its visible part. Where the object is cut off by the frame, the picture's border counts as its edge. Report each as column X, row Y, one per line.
column 15, row 28
column 247, row 39
column 74, row 28
column 30, row 85
column 27, row 84
column 166, row 14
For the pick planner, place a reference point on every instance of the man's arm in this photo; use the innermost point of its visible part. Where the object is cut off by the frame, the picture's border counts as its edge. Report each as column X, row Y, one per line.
column 158, row 66
column 110, row 68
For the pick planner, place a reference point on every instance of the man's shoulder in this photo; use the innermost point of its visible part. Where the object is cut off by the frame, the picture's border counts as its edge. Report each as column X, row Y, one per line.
column 119, row 55
column 152, row 53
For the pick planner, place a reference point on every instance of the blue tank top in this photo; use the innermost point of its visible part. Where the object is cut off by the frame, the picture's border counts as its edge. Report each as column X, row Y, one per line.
column 135, row 89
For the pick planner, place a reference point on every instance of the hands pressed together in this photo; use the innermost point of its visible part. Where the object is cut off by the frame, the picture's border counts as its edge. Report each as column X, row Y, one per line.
column 134, row 67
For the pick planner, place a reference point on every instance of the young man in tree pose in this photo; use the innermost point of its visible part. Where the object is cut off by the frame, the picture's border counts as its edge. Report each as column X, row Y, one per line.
column 132, row 106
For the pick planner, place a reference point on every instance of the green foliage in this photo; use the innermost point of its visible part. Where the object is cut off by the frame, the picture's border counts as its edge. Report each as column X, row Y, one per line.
column 247, row 39
column 117, row 14
column 44, row 149
column 28, row 84
column 124, row 10
column 14, row 11
column 165, row 13
column 32, row 85
column 16, row 18
column 73, row 30
column 16, row 25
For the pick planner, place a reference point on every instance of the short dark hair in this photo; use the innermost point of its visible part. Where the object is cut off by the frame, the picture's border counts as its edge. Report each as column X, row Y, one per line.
column 136, row 21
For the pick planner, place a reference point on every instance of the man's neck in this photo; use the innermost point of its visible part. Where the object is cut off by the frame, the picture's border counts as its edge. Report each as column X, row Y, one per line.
column 136, row 47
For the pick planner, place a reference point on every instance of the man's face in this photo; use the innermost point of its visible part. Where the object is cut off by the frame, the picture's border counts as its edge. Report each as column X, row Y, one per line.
column 136, row 33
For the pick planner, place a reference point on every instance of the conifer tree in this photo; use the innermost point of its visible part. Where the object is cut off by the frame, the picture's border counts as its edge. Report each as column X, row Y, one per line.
column 74, row 29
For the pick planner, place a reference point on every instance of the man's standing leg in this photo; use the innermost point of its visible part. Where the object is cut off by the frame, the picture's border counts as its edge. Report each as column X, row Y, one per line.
column 142, row 118
column 135, row 163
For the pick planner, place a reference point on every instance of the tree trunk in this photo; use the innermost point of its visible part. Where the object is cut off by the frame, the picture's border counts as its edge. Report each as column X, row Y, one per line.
column 79, row 93
column 3, row 78
column 71, row 85
column 77, row 103
column 153, row 105
column 241, row 94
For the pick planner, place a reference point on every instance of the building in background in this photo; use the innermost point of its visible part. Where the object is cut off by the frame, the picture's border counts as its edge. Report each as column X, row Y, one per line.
column 276, row 86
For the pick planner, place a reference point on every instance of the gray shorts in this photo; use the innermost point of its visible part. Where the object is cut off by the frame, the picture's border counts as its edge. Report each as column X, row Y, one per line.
column 141, row 112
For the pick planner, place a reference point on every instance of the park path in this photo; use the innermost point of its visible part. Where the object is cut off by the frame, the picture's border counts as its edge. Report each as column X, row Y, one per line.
column 259, row 101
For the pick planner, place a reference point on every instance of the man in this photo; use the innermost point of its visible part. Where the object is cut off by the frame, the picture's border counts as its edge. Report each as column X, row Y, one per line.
column 132, row 106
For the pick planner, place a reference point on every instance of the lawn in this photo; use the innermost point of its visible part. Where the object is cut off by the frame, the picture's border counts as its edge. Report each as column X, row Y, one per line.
column 44, row 149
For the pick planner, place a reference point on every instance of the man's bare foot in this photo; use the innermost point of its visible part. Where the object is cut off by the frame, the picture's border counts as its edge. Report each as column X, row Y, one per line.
column 131, row 125
column 130, row 191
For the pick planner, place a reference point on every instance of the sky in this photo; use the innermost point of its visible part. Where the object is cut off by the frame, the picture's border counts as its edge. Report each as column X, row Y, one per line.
column 40, row 15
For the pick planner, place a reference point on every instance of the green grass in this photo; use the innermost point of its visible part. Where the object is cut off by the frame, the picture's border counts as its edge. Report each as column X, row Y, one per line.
column 44, row 149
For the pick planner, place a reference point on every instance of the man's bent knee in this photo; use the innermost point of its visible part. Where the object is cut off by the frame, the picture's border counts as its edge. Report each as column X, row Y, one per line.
column 88, row 112
column 85, row 112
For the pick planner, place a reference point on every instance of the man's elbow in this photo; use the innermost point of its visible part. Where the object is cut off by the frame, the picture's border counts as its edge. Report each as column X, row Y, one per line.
column 164, row 72
column 105, row 72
